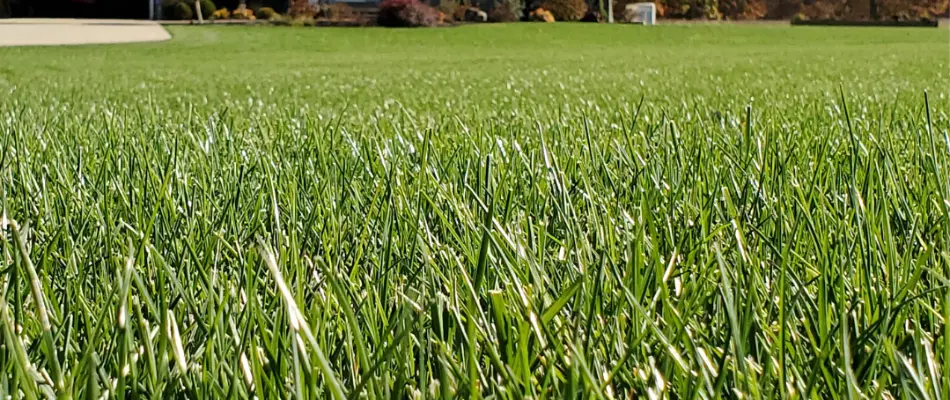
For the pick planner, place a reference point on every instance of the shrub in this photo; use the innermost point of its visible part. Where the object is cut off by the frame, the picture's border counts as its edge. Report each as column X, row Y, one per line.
column 458, row 13
column 593, row 16
column 754, row 9
column 266, row 13
column 419, row 14
column 506, row 11
column 824, row 10
column 337, row 12
column 406, row 13
column 179, row 10
column 301, row 8
column 303, row 21
column 243, row 13
column 916, row 9
column 778, row 9
column 389, row 12
column 703, row 9
column 449, row 7
column 541, row 15
column 502, row 14
column 221, row 13
column 742, row 9
column 566, row 10
column 207, row 8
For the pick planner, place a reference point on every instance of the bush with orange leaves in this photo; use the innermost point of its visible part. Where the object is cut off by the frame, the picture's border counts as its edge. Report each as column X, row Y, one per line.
column 541, row 15
column 912, row 9
column 243, row 13
column 221, row 13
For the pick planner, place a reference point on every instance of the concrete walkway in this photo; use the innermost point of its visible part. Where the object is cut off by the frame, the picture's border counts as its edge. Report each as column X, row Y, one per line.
column 52, row 32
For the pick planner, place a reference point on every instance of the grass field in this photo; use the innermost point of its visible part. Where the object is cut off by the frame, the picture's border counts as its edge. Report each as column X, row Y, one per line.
column 521, row 211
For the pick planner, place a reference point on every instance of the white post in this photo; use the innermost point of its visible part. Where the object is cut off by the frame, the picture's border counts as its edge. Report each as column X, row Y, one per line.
column 201, row 20
column 610, row 11
column 151, row 9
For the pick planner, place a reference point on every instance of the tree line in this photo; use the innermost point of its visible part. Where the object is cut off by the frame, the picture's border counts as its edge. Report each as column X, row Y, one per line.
column 860, row 10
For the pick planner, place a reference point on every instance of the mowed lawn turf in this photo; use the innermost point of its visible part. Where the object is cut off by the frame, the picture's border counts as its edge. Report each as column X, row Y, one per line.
column 492, row 211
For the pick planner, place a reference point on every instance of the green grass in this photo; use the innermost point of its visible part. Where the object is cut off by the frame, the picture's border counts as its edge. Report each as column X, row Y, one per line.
column 521, row 211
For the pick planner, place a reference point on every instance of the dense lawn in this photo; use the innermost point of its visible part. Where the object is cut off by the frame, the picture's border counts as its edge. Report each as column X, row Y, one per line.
column 520, row 211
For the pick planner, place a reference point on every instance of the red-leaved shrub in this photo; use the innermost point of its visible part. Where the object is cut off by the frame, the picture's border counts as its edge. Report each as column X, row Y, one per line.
column 406, row 13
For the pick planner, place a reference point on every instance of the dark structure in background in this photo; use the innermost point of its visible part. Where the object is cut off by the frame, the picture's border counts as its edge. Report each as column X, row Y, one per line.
column 125, row 9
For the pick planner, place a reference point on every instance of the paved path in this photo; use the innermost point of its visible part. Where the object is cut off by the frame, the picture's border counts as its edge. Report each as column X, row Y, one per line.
column 49, row 32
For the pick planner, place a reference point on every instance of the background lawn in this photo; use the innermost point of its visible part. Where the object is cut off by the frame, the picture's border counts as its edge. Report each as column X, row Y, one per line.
column 522, row 210
column 496, row 68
